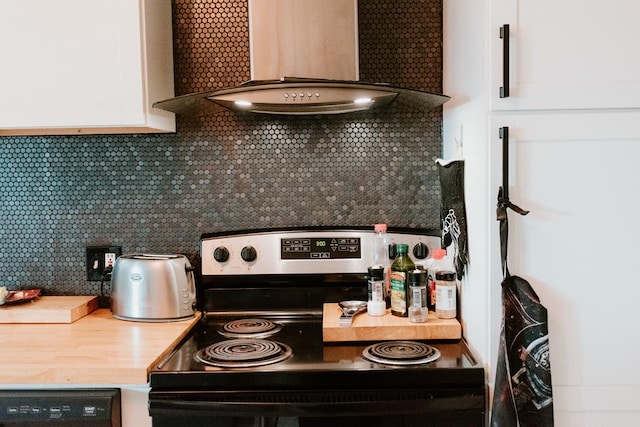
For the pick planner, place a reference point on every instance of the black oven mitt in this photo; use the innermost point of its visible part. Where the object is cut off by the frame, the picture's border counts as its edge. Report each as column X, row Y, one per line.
column 453, row 215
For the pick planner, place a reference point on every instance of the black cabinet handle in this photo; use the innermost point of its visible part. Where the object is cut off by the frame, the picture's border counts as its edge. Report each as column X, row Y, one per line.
column 503, row 192
column 504, row 35
column 504, row 136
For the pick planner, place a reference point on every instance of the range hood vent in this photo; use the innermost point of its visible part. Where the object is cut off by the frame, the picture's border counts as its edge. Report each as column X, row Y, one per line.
column 315, row 41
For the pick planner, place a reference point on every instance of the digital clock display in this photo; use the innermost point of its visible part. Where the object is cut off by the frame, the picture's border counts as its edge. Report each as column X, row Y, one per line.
column 320, row 248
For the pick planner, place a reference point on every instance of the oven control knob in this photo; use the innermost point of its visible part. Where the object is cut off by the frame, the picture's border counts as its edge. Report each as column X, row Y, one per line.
column 393, row 251
column 421, row 251
column 249, row 253
column 221, row 254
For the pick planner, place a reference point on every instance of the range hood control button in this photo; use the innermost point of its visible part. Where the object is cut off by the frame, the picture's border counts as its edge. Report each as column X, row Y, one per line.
column 221, row 254
column 249, row 253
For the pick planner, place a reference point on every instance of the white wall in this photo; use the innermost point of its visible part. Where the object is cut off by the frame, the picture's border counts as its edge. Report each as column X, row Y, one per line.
column 466, row 136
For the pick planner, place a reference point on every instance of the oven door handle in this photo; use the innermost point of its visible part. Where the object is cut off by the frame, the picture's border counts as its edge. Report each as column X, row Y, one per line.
column 313, row 403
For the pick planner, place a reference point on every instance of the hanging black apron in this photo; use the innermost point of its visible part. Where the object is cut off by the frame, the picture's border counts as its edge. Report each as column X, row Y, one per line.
column 522, row 391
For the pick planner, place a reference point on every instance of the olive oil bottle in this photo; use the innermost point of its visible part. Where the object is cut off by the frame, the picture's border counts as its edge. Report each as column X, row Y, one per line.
column 399, row 287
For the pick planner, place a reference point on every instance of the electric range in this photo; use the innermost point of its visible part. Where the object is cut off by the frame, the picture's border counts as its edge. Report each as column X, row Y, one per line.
column 258, row 358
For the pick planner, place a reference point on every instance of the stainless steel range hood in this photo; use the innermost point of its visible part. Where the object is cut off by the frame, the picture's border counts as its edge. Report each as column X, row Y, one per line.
column 315, row 41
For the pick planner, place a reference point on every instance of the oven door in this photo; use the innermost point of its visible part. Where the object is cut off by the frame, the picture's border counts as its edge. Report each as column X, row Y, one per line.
column 315, row 408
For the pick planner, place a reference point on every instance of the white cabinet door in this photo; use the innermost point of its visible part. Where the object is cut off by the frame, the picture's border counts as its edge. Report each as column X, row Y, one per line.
column 578, row 175
column 77, row 66
column 567, row 54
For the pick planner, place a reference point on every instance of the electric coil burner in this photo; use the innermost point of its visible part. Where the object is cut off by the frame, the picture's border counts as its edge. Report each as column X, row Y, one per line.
column 401, row 353
column 250, row 328
column 258, row 358
column 244, row 353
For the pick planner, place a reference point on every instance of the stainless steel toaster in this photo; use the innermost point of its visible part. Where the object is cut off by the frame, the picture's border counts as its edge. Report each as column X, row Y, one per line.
column 153, row 288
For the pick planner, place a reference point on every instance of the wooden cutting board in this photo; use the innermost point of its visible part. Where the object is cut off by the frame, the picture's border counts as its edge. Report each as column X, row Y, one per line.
column 387, row 327
column 49, row 309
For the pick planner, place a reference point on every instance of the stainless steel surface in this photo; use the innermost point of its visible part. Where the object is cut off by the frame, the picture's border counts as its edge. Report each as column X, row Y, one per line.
column 312, row 259
column 153, row 288
column 349, row 310
column 304, row 60
column 320, row 97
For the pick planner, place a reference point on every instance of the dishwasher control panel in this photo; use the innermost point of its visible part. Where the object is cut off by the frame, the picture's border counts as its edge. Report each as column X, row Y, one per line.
column 77, row 407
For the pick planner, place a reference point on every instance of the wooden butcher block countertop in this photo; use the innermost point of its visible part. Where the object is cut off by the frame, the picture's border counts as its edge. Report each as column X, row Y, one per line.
column 387, row 327
column 50, row 309
column 96, row 349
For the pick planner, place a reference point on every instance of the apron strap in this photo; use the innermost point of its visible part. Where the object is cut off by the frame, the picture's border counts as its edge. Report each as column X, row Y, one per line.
column 501, row 214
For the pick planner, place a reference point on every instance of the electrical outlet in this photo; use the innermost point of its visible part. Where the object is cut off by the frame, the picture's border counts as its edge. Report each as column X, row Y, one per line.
column 98, row 258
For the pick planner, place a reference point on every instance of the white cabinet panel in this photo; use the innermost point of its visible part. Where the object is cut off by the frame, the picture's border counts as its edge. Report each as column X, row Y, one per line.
column 578, row 175
column 75, row 66
column 596, row 406
column 567, row 54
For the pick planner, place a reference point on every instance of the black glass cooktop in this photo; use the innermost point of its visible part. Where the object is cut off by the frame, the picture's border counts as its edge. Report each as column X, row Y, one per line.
column 312, row 362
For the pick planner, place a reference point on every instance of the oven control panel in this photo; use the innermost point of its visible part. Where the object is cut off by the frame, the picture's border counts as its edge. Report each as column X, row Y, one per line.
column 303, row 252
column 322, row 248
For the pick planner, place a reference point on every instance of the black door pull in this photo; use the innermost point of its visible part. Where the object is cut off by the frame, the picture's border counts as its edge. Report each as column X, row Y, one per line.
column 504, row 35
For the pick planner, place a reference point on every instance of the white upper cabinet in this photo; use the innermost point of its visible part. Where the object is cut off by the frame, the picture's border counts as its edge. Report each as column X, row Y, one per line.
column 85, row 67
column 566, row 54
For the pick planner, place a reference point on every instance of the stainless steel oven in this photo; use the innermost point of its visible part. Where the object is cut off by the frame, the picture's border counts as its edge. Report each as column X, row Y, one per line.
column 258, row 357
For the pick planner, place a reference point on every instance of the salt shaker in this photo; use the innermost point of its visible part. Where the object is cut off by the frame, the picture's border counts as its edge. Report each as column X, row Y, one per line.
column 418, row 311
column 375, row 304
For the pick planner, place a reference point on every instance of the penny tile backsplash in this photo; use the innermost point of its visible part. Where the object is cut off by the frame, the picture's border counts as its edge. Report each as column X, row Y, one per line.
column 158, row 193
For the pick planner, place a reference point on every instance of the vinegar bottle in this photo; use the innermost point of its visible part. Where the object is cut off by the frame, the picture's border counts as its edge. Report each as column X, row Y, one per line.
column 380, row 245
column 400, row 269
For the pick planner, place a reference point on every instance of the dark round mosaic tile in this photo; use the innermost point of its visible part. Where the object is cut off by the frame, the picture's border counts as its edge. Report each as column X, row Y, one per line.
column 158, row 193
